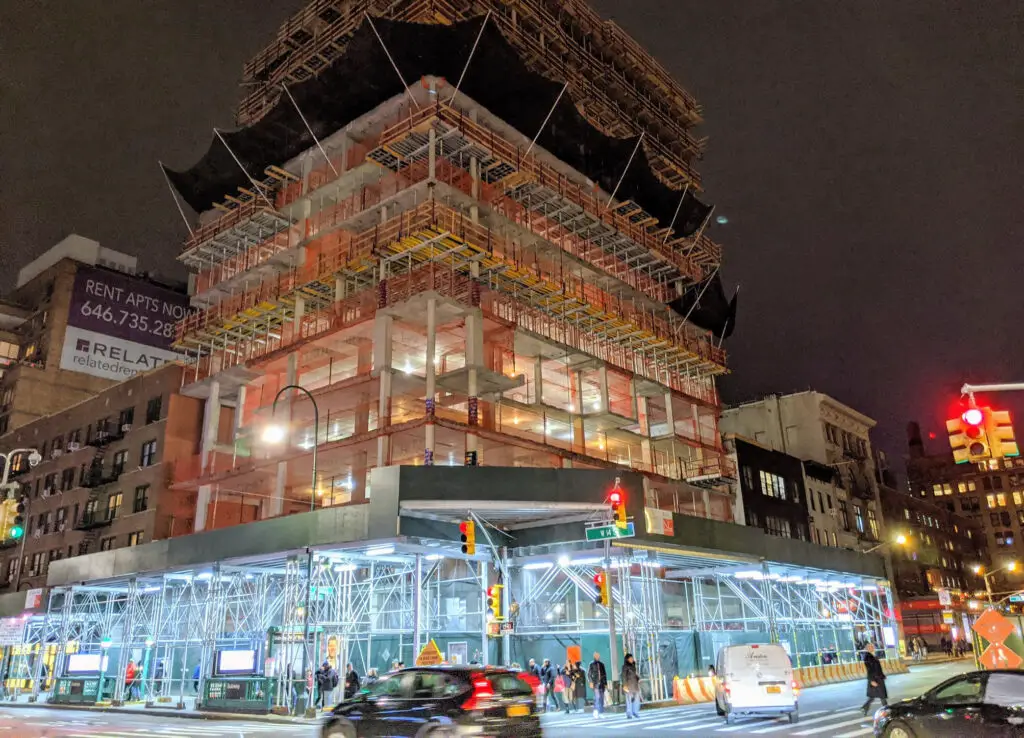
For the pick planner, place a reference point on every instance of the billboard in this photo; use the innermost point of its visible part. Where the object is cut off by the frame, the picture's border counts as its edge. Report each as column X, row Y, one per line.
column 119, row 325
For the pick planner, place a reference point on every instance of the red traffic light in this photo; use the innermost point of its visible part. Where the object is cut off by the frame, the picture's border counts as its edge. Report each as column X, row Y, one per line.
column 599, row 578
column 615, row 497
column 492, row 591
column 973, row 416
column 463, row 527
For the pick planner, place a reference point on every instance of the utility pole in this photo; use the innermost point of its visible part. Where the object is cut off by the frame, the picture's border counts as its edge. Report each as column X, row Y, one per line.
column 613, row 650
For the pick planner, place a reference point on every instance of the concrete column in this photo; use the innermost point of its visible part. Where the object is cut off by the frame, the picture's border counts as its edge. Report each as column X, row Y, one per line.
column 602, row 384
column 382, row 350
column 670, row 415
column 339, row 289
column 538, row 380
column 432, row 154
column 646, row 455
column 431, row 372
column 474, row 359
column 211, row 428
column 240, row 410
column 300, row 312
column 474, row 173
column 346, row 142
column 359, row 474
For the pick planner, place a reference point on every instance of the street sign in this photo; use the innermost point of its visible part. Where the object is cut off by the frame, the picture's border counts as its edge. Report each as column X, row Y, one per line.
column 993, row 627
column 430, row 655
column 507, row 627
column 947, row 617
column 1019, row 597
column 607, row 532
column 999, row 656
column 12, row 631
column 945, row 598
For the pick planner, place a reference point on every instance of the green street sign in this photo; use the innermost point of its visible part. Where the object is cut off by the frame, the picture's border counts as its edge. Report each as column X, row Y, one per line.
column 606, row 532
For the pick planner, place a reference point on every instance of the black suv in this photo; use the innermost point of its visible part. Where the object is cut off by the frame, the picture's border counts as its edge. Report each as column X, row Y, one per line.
column 440, row 702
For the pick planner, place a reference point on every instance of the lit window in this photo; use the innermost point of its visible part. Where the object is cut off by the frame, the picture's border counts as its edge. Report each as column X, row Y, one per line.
column 937, row 490
column 947, row 489
column 1017, row 499
column 991, row 499
column 1001, row 499
column 773, row 485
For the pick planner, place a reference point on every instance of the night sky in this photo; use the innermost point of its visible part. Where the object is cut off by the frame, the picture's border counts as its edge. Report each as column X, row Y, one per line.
column 868, row 156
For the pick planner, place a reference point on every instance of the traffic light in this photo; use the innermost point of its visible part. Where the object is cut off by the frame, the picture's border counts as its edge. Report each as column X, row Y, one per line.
column 468, row 530
column 968, row 435
column 601, row 582
column 617, row 499
column 17, row 529
column 494, row 602
column 1000, row 434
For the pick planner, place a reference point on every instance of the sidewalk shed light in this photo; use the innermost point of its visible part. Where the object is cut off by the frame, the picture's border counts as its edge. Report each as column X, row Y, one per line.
column 274, row 433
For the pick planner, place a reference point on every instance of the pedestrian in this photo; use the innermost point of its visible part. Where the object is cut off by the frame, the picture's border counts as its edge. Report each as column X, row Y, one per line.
column 532, row 669
column 326, row 681
column 195, row 679
column 559, row 688
column 129, row 679
column 875, row 677
column 158, row 677
column 351, row 682
column 579, row 687
column 597, row 680
column 547, row 682
column 371, row 677
column 631, row 686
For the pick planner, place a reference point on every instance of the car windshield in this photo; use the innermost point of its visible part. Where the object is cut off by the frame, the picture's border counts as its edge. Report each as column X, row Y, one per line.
column 961, row 692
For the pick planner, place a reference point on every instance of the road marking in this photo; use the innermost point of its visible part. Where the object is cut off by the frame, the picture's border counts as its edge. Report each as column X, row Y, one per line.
column 672, row 723
column 784, row 726
column 854, row 733
column 690, row 727
column 855, row 721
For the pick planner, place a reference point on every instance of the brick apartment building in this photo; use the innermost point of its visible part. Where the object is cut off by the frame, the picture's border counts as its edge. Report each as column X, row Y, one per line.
column 103, row 482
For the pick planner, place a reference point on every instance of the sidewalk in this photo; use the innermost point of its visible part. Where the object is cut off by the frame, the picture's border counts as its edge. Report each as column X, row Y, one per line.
column 162, row 709
column 937, row 658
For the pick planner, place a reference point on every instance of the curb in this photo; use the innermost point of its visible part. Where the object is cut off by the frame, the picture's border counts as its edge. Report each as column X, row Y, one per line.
column 180, row 714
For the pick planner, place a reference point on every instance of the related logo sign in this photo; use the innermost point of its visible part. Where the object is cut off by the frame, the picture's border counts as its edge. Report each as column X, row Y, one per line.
column 118, row 325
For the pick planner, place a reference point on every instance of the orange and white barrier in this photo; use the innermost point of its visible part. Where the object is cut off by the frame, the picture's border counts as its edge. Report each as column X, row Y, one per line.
column 693, row 690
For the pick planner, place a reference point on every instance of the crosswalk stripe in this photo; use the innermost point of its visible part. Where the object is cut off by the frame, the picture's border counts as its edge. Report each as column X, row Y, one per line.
column 784, row 726
column 670, row 723
column 717, row 721
column 812, row 731
column 855, row 733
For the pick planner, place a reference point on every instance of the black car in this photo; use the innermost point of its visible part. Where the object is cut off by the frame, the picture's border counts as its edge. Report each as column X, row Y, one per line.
column 440, row 702
column 982, row 703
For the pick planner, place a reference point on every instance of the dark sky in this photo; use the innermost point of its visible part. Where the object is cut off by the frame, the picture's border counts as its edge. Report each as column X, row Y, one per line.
column 868, row 156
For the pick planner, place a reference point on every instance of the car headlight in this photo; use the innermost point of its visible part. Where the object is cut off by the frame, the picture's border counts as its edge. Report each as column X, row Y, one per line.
column 882, row 714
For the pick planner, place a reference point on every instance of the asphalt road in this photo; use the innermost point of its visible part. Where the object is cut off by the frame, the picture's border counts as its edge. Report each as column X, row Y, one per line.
column 832, row 711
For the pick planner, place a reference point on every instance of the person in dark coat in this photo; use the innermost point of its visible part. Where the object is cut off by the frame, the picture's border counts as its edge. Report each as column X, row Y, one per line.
column 876, row 678
column 351, row 682
column 597, row 678
column 631, row 686
column 547, row 678
column 579, row 686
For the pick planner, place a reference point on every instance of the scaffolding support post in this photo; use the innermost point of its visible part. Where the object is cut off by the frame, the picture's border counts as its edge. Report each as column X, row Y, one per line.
column 485, row 657
column 773, row 628
column 417, row 607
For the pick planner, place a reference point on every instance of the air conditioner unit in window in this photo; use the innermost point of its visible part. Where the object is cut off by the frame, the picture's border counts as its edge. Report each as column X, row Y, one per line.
column 61, row 527
column 125, row 427
column 74, row 446
column 37, row 533
column 49, row 491
column 56, row 452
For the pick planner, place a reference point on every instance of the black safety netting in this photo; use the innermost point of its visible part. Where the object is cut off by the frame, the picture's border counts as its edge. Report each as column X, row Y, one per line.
column 362, row 78
column 707, row 306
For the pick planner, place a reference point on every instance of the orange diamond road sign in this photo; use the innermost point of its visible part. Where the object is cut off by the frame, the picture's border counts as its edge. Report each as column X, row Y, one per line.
column 993, row 627
column 998, row 656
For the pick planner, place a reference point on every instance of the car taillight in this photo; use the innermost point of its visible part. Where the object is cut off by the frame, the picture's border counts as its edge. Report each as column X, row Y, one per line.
column 796, row 688
column 482, row 691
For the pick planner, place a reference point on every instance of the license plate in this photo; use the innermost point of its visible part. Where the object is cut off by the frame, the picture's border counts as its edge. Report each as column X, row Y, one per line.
column 517, row 711
column 773, row 690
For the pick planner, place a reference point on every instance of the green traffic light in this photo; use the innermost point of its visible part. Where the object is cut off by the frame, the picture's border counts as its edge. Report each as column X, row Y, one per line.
column 17, row 532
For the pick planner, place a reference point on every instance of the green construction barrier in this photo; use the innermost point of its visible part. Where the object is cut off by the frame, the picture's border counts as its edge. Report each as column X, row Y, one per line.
column 243, row 694
column 82, row 690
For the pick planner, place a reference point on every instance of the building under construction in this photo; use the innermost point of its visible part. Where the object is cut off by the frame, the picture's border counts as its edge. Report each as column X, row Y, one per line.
column 462, row 226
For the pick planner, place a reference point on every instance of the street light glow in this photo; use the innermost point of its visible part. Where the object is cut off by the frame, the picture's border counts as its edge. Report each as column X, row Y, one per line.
column 901, row 539
column 977, row 569
column 1012, row 566
column 273, row 433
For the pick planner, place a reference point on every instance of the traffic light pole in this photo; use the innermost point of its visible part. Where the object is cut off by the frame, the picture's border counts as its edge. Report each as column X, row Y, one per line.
column 970, row 389
column 613, row 650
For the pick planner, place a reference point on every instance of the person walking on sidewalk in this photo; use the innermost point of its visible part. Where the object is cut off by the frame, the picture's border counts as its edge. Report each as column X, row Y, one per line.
column 547, row 681
column 631, row 686
column 597, row 680
column 876, row 678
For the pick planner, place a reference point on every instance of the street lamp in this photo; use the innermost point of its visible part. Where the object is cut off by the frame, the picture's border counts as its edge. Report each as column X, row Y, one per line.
column 979, row 570
column 900, row 540
column 275, row 433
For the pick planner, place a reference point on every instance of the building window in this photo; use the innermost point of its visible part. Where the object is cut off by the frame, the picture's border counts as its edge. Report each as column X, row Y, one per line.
column 114, row 505
column 835, row 540
column 153, row 408
column 120, row 459
column 994, row 518
column 12, row 569
column 107, row 543
column 772, row 485
column 1001, row 499
column 844, row 515
column 873, row 523
column 67, row 479
column 997, row 482
column 148, row 456
column 141, row 501
column 38, row 565
column 1004, row 517
column 810, row 497
column 135, row 538
column 776, row 526
column 858, row 514
column 124, row 420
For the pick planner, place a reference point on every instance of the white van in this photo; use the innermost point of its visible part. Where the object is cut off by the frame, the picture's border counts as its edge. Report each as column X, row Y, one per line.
column 755, row 679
